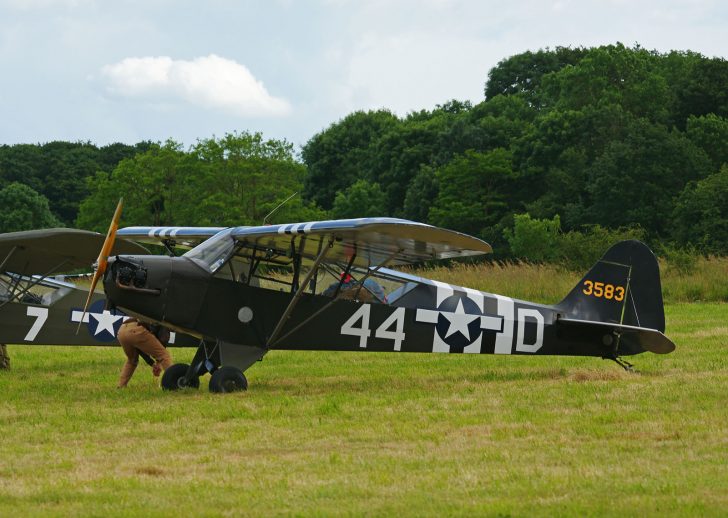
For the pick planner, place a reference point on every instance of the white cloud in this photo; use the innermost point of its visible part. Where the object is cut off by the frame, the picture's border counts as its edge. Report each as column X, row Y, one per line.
column 210, row 81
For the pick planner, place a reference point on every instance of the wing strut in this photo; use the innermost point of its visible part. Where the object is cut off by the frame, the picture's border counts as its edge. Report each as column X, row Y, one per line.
column 334, row 299
column 30, row 286
column 375, row 270
column 7, row 257
column 297, row 295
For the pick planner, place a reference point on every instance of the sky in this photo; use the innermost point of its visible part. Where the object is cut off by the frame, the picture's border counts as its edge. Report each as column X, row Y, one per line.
column 133, row 70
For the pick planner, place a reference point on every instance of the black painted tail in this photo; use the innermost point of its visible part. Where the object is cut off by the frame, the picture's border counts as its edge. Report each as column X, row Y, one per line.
column 621, row 300
column 622, row 288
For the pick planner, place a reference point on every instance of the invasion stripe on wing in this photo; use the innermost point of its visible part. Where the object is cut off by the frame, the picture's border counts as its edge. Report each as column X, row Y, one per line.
column 296, row 228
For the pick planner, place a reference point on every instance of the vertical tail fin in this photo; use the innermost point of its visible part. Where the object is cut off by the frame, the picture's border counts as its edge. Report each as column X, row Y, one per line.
column 623, row 288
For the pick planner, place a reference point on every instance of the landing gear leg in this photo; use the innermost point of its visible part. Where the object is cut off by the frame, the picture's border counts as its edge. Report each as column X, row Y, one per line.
column 614, row 356
column 622, row 363
column 181, row 375
column 198, row 365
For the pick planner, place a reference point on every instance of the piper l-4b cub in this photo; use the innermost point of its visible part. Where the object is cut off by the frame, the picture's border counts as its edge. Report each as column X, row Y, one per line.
column 327, row 285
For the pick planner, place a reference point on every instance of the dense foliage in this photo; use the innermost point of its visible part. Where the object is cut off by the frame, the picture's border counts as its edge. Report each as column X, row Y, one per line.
column 576, row 146
column 610, row 139
column 23, row 208
column 235, row 180
column 58, row 171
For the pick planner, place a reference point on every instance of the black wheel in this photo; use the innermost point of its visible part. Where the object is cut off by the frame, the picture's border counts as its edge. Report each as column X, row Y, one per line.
column 174, row 378
column 228, row 379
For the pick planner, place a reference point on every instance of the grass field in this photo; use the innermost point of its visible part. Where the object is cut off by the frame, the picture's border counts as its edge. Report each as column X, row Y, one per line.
column 375, row 434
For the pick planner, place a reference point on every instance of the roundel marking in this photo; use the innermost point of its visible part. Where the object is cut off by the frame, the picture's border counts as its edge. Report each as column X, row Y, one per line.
column 102, row 324
column 458, row 324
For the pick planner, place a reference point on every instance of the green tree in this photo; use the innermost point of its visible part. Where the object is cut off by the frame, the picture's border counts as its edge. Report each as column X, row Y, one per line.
column 342, row 154
column 534, row 239
column 234, row 180
column 22, row 163
column 554, row 157
column 243, row 178
column 611, row 74
column 421, row 194
column 522, row 73
column 702, row 89
column 542, row 240
column 701, row 214
column 24, row 209
column 497, row 123
column 60, row 170
column 564, row 188
column 579, row 249
column 636, row 179
column 65, row 169
column 150, row 184
column 401, row 152
column 475, row 192
column 423, row 139
column 110, row 155
column 710, row 133
column 360, row 200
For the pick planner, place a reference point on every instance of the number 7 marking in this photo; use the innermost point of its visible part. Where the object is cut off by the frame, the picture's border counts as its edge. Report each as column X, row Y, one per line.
column 41, row 315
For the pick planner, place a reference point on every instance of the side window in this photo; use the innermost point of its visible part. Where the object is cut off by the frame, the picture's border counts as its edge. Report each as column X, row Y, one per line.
column 27, row 290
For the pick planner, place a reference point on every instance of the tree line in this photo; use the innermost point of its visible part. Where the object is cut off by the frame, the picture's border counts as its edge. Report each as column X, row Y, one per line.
column 608, row 137
column 570, row 146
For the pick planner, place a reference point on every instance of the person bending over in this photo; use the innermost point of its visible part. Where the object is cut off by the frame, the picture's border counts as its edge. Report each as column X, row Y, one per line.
column 141, row 339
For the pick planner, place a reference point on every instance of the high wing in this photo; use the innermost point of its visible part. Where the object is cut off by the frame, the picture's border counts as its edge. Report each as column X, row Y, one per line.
column 55, row 250
column 184, row 237
column 365, row 242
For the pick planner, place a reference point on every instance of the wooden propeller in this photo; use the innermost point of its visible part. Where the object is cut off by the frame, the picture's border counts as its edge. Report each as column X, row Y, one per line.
column 103, row 258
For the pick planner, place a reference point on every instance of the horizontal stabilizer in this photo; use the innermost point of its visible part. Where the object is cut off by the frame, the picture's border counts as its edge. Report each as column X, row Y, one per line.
column 650, row 340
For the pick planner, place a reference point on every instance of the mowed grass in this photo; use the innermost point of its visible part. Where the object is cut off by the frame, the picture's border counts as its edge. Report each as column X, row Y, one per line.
column 375, row 434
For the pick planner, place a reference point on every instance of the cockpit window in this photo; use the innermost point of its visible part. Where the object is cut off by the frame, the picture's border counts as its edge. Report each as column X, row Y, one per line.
column 33, row 289
column 213, row 253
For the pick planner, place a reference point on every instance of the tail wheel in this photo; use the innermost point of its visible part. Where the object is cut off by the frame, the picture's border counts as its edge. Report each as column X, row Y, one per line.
column 174, row 378
column 228, row 379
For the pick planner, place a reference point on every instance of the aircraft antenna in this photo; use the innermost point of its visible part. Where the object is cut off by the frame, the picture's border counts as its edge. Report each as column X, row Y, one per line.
column 281, row 204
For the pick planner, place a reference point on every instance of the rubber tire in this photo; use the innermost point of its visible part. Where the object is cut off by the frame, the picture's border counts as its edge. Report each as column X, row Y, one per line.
column 172, row 378
column 228, row 379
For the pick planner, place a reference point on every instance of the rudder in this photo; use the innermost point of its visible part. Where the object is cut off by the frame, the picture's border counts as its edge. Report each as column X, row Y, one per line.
column 623, row 287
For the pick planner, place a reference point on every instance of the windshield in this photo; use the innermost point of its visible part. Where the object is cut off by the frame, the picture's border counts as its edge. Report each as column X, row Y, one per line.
column 211, row 254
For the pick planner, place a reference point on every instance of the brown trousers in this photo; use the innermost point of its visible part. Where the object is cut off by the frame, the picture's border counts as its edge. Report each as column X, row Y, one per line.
column 133, row 338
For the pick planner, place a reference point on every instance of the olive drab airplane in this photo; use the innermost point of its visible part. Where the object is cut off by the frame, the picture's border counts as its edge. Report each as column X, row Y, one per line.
column 329, row 285
column 37, row 309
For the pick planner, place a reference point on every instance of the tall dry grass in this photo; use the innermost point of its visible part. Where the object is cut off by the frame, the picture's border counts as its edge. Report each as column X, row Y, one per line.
column 543, row 283
column 706, row 280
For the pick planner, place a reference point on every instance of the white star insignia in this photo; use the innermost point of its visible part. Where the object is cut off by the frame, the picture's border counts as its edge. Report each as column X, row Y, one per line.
column 105, row 321
column 459, row 321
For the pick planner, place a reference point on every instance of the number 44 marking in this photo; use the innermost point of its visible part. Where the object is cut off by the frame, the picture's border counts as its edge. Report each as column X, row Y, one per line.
column 396, row 320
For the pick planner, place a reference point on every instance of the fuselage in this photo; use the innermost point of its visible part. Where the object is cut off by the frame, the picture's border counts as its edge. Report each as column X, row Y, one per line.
column 423, row 316
column 52, row 314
